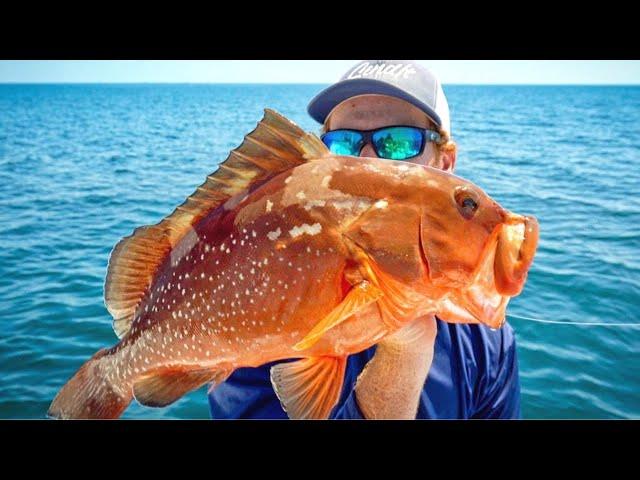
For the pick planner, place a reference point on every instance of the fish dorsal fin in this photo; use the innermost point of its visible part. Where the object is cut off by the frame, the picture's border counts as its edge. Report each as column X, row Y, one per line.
column 276, row 145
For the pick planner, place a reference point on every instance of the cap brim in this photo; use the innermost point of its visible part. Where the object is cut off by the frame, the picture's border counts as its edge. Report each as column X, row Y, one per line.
column 323, row 103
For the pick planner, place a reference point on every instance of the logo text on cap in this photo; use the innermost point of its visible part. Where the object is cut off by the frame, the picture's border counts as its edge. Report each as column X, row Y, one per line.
column 382, row 69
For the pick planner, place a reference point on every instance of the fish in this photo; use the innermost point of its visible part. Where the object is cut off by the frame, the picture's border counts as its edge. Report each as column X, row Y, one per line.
column 288, row 253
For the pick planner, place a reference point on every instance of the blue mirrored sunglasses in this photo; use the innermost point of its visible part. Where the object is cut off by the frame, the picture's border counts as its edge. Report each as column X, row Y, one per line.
column 393, row 143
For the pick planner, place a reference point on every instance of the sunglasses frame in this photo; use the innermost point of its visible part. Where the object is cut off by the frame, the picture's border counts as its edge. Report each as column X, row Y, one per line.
column 367, row 138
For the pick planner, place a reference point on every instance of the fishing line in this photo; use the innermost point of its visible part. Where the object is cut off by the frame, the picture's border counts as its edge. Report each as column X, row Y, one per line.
column 587, row 324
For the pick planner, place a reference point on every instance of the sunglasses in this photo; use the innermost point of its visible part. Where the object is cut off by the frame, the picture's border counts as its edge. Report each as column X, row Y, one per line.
column 393, row 143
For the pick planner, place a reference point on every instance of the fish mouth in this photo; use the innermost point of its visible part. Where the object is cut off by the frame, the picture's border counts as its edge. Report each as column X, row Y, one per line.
column 517, row 244
column 500, row 275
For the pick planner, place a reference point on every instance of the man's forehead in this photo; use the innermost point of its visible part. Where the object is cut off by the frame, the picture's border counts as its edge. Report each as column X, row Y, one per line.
column 378, row 107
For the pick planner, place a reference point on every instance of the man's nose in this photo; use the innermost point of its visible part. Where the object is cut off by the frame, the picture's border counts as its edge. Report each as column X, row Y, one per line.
column 368, row 151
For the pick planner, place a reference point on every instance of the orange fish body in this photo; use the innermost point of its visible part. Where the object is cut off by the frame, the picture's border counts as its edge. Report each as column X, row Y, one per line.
column 289, row 252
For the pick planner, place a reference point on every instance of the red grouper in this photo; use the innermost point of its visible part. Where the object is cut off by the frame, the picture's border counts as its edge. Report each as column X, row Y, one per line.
column 288, row 251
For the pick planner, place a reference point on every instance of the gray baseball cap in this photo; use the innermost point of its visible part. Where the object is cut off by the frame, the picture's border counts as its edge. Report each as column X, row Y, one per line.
column 404, row 79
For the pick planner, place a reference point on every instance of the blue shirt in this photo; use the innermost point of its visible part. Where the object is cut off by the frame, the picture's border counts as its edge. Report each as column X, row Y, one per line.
column 474, row 374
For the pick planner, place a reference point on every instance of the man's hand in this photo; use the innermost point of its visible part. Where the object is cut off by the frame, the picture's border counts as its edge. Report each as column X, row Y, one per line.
column 389, row 386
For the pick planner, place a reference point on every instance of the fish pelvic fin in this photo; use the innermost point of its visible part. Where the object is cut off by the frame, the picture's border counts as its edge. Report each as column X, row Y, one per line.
column 274, row 146
column 163, row 387
column 89, row 394
column 309, row 388
column 356, row 299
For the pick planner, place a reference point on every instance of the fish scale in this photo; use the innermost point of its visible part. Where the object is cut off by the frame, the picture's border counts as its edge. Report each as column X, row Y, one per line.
column 226, row 271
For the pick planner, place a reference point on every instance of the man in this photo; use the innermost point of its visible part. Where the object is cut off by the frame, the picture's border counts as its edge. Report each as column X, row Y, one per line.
column 429, row 369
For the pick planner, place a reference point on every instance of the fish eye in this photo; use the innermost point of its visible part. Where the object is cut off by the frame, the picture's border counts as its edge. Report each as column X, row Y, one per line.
column 467, row 204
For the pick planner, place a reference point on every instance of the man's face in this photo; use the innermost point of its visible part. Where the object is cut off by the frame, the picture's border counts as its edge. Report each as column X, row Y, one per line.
column 368, row 112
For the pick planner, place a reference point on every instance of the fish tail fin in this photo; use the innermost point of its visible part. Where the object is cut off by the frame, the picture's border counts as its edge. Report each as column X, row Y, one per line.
column 89, row 394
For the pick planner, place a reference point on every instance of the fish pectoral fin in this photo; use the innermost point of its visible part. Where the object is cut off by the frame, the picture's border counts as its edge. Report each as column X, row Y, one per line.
column 161, row 388
column 309, row 388
column 399, row 303
column 356, row 299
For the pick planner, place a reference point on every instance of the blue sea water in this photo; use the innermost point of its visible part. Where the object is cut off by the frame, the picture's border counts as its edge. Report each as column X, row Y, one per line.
column 82, row 165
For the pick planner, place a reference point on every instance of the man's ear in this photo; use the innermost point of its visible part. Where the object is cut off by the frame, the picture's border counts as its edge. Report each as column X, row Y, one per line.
column 448, row 159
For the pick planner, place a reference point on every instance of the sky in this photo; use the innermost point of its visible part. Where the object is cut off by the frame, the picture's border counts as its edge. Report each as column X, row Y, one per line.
column 599, row 72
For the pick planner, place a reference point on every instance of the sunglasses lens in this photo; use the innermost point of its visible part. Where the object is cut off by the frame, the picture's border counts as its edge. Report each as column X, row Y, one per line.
column 343, row 142
column 397, row 143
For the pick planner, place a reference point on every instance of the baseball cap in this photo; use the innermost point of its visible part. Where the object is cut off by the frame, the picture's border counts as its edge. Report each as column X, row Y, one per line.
column 403, row 79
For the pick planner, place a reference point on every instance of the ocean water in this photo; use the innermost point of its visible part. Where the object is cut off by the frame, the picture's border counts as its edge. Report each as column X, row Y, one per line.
column 82, row 165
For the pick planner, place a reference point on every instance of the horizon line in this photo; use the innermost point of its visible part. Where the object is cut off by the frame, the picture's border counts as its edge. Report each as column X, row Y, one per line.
column 312, row 83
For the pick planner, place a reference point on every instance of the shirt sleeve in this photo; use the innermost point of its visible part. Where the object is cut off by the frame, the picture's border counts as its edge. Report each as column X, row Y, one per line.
column 501, row 400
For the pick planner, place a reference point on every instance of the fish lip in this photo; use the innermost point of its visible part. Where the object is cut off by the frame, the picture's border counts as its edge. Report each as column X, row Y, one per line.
column 510, row 267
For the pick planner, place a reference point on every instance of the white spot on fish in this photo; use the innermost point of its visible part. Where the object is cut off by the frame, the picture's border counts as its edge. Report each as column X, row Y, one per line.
column 269, row 205
column 381, row 204
column 274, row 235
column 305, row 228
column 325, row 181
